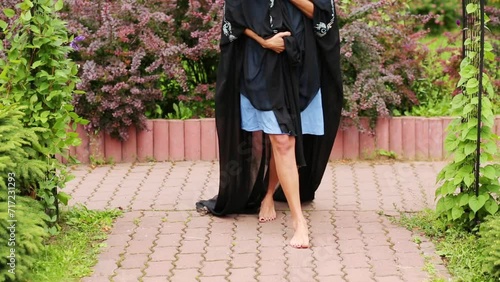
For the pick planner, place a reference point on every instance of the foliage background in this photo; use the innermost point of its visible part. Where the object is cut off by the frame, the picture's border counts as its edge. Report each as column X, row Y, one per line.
column 139, row 58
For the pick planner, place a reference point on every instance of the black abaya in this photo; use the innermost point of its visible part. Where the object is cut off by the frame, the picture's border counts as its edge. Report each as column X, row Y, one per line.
column 243, row 156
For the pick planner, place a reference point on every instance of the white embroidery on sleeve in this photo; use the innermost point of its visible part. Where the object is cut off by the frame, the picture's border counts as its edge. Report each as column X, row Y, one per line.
column 321, row 27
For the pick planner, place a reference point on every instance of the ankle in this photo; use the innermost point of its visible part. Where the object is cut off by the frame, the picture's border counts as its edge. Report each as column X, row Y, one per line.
column 299, row 220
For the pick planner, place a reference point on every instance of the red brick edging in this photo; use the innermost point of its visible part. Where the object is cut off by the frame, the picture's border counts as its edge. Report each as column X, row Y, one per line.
column 408, row 138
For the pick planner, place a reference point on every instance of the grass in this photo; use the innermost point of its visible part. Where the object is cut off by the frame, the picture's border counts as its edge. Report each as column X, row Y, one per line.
column 71, row 254
column 461, row 250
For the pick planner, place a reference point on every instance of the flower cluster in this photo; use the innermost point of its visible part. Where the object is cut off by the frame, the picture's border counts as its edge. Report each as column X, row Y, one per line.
column 134, row 53
column 381, row 57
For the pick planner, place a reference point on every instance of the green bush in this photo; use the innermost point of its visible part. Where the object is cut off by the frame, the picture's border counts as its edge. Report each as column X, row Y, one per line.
column 19, row 242
column 16, row 147
column 22, row 238
column 37, row 74
column 490, row 239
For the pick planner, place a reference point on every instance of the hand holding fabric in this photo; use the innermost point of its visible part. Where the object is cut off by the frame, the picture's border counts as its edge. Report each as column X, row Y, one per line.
column 276, row 43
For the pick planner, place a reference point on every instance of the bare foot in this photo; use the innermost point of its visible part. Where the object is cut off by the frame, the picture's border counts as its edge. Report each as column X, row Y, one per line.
column 300, row 239
column 267, row 211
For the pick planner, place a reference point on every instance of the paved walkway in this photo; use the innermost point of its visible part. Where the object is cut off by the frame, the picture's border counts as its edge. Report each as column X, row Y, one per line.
column 161, row 237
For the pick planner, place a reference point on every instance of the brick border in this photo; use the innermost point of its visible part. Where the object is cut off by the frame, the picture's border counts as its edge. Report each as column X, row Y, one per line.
column 409, row 138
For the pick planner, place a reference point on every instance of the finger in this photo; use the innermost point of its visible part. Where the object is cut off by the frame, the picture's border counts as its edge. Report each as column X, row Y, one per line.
column 284, row 34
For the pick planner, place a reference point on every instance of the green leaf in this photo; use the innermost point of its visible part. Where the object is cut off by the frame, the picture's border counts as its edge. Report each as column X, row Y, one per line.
column 26, row 15
column 463, row 200
column 3, row 24
column 469, row 179
column 36, row 64
column 471, row 8
column 440, row 206
column 449, row 203
column 59, row 5
column 491, row 206
column 52, row 230
column 459, row 155
column 9, row 13
column 488, row 47
column 33, row 99
column 468, row 71
column 457, row 212
column 492, row 188
column 451, row 143
column 476, row 203
column 467, row 109
column 490, row 56
column 469, row 148
column 63, row 197
column 489, row 171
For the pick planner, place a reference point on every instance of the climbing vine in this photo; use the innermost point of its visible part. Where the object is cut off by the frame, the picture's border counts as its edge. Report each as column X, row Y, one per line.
column 469, row 184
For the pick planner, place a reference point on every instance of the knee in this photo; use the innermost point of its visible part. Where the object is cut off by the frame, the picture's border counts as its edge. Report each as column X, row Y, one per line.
column 283, row 144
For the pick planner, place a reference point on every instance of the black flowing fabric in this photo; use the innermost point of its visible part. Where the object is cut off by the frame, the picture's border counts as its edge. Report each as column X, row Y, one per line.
column 244, row 156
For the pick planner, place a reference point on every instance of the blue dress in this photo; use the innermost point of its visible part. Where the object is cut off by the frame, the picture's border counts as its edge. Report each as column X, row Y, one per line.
column 255, row 120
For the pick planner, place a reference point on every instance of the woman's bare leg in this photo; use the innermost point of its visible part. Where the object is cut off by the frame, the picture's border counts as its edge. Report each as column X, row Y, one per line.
column 267, row 211
column 288, row 175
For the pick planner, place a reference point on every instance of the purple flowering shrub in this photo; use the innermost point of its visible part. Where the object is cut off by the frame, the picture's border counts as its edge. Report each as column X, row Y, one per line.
column 381, row 57
column 444, row 12
column 198, row 27
column 139, row 56
column 124, row 48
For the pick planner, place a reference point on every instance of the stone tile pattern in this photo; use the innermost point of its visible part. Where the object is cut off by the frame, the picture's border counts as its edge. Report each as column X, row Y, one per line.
column 161, row 237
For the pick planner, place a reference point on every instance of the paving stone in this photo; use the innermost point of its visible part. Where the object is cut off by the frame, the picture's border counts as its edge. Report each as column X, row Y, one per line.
column 272, row 240
column 163, row 253
column 245, row 246
column 333, row 278
column 350, row 240
column 357, row 260
column 214, row 268
column 192, row 247
column 271, row 253
column 217, row 253
column 376, row 253
column 349, row 233
column 272, row 267
column 159, row 268
column 351, row 246
column 359, row 275
column 95, row 279
column 139, row 247
column 169, row 240
column 389, row 279
column 405, row 246
column 271, row 278
column 188, row 261
column 171, row 227
column 242, row 274
column 213, row 279
column 105, row 267
column 329, row 268
column 127, row 275
column 134, row 261
column 183, row 275
column 300, row 274
column 244, row 261
column 219, row 240
column 385, row 267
